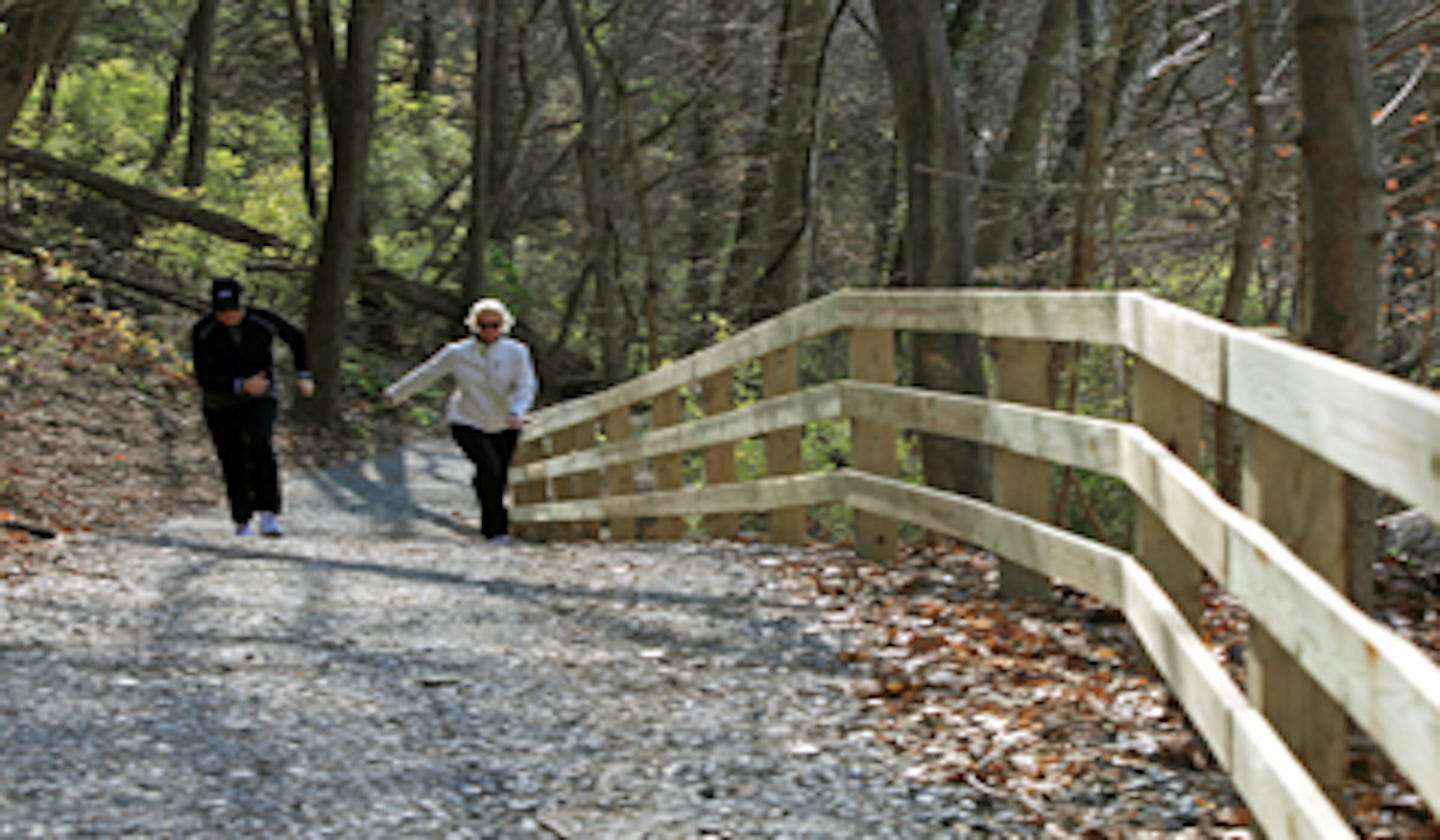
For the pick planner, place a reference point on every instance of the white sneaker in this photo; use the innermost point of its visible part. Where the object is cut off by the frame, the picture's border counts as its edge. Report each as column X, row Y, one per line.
column 244, row 530
column 269, row 525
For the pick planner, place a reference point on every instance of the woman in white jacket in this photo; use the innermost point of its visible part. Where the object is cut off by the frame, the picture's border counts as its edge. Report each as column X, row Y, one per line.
column 495, row 385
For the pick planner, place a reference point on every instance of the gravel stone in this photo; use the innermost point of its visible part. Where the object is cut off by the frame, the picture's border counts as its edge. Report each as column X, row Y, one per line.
column 383, row 672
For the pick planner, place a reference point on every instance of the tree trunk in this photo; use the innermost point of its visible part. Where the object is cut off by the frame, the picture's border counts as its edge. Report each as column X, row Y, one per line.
column 307, row 108
column 1013, row 166
column 1099, row 89
column 937, row 236
column 1343, row 220
column 481, row 149
column 745, row 255
column 703, row 185
column 202, row 47
column 599, row 236
column 140, row 198
column 340, row 249
column 1250, row 217
column 327, row 63
column 789, row 222
column 175, row 102
column 423, row 82
column 33, row 33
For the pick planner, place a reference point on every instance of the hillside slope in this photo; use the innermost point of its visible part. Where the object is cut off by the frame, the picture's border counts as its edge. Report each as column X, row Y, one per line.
column 102, row 429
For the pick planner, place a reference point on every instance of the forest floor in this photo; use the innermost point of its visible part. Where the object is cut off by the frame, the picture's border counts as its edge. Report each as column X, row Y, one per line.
column 102, row 435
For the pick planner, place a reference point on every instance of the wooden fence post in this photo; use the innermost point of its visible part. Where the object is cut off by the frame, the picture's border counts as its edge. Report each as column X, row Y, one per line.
column 564, row 487
column 781, row 373
column 872, row 444
column 1301, row 500
column 1174, row 415
column 669, row 469
column 529, row 492
column 619, row 479
column 718, row 397
column 587, row 484
column 1022, row 483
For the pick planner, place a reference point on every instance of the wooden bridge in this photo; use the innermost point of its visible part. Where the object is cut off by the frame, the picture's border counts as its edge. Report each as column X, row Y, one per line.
column 1310, row 421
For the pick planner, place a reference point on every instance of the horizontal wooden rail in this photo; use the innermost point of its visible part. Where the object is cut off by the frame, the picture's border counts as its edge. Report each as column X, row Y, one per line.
column 1212, row 700
column 1380, row 430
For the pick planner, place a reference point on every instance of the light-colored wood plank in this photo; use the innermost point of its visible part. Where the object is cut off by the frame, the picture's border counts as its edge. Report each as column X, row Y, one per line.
column 1173, row 414
column 526, row 491
column 821, row 402
column 872, row 443
column 1022, row 482
column 1047, row 549
column 809, row 320
column 1376, row 427
column 588, row 483
column 1052, row 315
column 780, row 375
column 1389, row 687
column 717, row 398
column 1185, row 344
column 1086, row 442
column 812, row 489
column 667, row 412
column 619, row 478
column 1300, row 499
column 1283, row 797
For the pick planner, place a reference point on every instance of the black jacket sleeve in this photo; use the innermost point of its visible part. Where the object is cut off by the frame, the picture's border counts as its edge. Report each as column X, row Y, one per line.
column 295, row 338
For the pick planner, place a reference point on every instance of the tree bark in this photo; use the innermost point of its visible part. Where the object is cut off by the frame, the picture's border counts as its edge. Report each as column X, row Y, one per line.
column 744, row 262
column 937, row 244
column 481, row 149
column 33, row 33
column 1246, row 249
column 307, row 108
column 202, row 45
column 1343, row 220
column 423, row 82
column 599, row 236
column 330, row 290
column 139, row 198
column 1014, row 165
column 175, row 102
column 789, row 223
column 703, row 185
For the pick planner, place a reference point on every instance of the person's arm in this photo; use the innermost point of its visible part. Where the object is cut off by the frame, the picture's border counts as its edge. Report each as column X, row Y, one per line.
column 421, row 376
column 526, row 387
column 299, row 353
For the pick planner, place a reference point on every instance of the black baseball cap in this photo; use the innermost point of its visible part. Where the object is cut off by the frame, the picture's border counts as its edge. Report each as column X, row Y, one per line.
column 225, row 294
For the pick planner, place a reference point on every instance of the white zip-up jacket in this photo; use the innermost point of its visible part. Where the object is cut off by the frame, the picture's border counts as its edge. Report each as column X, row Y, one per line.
column 492, row 381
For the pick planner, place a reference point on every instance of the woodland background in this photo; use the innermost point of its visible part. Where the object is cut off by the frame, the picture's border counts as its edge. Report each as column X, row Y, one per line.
column 639, row 179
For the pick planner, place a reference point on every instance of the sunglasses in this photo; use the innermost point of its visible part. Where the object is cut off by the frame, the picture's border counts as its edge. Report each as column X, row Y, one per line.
column 488, row 325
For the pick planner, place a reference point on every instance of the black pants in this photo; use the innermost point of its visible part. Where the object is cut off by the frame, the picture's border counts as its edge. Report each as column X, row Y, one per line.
column 242, row 435
column 490, row 452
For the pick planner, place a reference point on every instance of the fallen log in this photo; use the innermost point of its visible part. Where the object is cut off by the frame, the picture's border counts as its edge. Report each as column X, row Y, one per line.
column 144, row 200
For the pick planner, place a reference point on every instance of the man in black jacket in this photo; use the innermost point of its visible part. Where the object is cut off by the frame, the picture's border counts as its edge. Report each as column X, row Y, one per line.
column 236, row 372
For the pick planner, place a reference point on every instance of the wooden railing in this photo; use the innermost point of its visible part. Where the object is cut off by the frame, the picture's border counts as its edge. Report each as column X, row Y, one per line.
column 1316, row 661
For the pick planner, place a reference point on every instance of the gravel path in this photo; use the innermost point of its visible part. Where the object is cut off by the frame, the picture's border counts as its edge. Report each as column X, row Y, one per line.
column 382, row 673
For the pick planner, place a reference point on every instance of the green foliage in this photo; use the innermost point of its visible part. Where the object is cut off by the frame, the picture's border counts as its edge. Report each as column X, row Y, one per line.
column 107, row 116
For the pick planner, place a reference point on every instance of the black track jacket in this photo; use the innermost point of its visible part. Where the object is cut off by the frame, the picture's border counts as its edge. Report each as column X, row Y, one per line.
column 222, row 362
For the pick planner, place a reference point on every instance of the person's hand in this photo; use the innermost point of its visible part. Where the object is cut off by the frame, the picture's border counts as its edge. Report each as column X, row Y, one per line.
column 306, row 387
column 256, row 384
column 514, row 421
